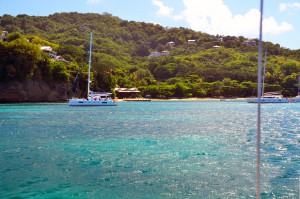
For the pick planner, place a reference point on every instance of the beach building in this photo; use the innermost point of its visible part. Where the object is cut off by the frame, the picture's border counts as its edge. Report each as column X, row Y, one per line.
column 127, row 92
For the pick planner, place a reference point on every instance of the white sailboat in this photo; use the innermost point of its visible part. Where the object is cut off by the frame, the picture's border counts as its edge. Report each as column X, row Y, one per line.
column 296, row 99
column 93, row 98
column 270, row 97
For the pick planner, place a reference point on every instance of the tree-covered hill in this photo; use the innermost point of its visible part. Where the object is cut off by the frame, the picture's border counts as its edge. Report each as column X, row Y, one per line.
column 163, row 62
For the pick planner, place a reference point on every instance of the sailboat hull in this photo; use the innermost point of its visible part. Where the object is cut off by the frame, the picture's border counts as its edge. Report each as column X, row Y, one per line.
column 84, row 102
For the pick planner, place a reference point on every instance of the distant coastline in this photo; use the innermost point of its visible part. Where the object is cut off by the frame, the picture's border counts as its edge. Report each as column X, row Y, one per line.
column 131, row 100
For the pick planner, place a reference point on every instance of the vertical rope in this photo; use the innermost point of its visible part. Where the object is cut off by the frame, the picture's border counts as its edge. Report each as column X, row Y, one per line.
column 259, row 103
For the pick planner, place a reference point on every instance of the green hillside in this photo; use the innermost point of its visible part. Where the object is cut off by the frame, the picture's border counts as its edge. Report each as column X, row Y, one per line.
column 188, row 63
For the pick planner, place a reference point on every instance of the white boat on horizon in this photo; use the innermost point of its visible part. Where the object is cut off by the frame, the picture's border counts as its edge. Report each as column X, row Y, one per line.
column 269, row 98
column 93, row 98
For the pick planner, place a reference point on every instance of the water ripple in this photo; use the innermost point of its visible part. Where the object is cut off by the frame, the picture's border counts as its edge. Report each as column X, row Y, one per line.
column 148, row 150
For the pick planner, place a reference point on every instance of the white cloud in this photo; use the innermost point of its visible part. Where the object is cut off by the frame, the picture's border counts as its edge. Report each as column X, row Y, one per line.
column 93, row 1
column 282, row 7
column 214, row 17
column 162, row 9
column 271, row 26
column 285, row 6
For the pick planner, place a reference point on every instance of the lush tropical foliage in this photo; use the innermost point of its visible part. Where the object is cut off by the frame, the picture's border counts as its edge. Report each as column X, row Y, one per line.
column 198, row 64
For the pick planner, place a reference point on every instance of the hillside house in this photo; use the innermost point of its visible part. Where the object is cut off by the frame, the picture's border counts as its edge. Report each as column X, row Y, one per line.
column 4, row 36
column 154, row 54
column 158, row 54
column 53, row 54
column 191, row 41
column 251, row 41
column 171, row 43
column 165, row 53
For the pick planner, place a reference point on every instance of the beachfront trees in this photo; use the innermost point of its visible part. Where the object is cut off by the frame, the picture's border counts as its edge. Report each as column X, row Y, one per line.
column 18, row 59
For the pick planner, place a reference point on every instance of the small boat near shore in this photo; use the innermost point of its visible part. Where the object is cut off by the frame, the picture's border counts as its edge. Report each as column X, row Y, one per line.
column 230, row 99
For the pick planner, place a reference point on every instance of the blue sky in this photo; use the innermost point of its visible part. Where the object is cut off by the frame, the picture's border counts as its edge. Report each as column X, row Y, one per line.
column 223, row 17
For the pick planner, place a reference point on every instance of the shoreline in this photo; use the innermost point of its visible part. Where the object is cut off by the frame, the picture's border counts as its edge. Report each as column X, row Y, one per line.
column 138, row 100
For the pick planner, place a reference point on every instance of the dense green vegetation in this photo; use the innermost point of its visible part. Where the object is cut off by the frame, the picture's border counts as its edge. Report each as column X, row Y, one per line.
column 121, row 52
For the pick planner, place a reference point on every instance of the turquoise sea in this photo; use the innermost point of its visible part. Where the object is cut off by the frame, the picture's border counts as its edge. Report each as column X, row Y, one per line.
column 170, row 149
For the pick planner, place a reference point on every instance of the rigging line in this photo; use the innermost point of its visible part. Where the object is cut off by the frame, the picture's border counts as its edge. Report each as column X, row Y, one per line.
column 264, row 75
column 90, row 61
column 259, row 103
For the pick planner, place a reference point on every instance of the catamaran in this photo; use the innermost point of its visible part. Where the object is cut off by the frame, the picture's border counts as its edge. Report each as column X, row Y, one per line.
column 93, row 98
column 269, row 98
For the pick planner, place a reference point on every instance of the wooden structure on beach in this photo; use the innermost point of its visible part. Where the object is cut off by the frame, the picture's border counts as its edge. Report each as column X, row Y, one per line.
column 127, row 92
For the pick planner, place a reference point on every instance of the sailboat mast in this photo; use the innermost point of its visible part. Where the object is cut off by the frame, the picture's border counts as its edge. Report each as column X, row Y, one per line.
column 90, row 62
column 259, row 103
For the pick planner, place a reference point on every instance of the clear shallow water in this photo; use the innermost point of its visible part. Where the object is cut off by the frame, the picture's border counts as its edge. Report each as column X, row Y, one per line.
column 197, row 149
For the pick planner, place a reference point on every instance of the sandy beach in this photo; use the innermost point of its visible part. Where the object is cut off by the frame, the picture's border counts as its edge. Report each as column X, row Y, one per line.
column 181, row 99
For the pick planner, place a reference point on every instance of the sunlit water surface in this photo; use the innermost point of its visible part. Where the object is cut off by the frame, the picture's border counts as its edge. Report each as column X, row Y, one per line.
column 173, row 149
